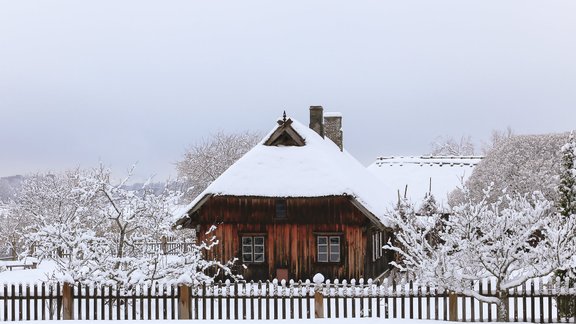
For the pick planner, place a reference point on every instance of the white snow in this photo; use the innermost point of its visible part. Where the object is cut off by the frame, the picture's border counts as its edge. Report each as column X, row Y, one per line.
column 447, row 173
column 317, row 169
column 247, row 321
column 318, row 278
column 31, row 276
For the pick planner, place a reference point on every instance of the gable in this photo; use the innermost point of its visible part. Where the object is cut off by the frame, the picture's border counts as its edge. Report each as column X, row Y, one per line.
column 285, row 135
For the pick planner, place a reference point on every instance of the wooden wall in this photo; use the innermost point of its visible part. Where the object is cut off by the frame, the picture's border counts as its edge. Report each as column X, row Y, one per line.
column 290, row 243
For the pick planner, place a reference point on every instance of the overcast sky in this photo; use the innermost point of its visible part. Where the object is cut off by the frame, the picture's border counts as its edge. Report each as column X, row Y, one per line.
column 137, row 80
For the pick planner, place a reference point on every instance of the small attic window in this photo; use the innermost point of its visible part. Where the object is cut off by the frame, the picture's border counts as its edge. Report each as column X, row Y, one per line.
column 280, row 209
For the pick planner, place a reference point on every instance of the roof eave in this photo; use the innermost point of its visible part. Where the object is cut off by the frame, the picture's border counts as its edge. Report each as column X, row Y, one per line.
column 375, row 220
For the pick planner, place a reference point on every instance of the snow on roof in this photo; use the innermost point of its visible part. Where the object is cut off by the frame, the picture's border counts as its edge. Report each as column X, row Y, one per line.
column 317, row 169
column 446, row 173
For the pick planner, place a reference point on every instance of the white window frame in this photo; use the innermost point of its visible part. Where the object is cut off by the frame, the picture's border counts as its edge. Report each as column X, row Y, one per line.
column 377, row 252
column 249, row 247
column 333, row 249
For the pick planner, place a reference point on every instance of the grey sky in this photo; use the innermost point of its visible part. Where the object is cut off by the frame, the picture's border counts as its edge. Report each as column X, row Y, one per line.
column 136, row 80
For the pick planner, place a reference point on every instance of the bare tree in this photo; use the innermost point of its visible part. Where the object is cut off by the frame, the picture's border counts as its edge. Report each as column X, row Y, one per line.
column 204, row 161
column 449, row 146
column 497, row 137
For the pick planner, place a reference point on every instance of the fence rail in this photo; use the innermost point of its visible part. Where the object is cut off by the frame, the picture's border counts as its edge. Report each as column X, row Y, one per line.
column 534, row 302
column 165, row 246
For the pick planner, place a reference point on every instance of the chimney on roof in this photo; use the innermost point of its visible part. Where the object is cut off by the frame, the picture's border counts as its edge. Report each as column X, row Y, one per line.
column 333, row 128
column 317, row 119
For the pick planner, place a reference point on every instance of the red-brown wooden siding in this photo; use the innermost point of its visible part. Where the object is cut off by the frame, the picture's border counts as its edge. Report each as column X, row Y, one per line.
column 290, row 243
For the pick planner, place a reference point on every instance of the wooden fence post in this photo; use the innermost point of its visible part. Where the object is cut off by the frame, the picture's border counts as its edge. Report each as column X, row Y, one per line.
column 68, row 301
column 184, row 307
column 318, row 304
column 452, row 306
column 318, row 297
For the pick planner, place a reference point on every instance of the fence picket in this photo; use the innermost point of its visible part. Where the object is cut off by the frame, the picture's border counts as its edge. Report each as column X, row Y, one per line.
column 236, row 300
column 524, row 304
column 195, row 292
column 36, row 302
column 539, row 282
column 480, row 303
column 472, row 306
column 549, row 293
column 204, row 300
column 489, row 305
column 244, row 298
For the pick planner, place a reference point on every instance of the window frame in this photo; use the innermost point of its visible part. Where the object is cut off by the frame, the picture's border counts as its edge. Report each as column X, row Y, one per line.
column 280, row 209
column 332, row 249
column 377, row 243
column 252, row 245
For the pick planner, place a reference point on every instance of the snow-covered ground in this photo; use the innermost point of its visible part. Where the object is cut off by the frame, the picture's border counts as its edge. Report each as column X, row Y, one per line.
column 306, row 321
column 28, row 276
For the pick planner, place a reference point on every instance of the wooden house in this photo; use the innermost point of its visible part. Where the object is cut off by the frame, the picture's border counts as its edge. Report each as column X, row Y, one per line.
column 295, row 205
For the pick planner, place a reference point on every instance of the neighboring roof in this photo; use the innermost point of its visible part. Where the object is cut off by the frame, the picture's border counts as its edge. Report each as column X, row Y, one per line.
column 317, row 169
column 445, row 173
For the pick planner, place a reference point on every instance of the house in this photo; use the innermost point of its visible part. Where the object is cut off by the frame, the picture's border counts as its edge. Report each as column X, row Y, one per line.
column 295, row 205
column 417, row 176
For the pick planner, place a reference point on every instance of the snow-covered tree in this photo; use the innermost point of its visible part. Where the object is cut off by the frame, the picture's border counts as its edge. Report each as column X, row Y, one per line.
column 449, row 146
column 567, row 186
column 204, row 161
column 99, row 232
column 566, row 204
column 521, row 164
column 428, row 206
column 508, row 243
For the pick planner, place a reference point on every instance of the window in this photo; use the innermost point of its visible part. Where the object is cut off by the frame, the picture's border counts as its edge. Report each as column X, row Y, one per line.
column 280, row 209
column 328, row 248
column 253, row 249
column 377, row 243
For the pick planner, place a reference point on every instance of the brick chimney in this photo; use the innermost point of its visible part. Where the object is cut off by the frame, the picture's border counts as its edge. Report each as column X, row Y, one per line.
column 333, row 128
column 317, row 119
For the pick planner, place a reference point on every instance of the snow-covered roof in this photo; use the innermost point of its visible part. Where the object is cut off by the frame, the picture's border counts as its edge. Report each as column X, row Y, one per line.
column 317, row 169
column 332, row 114
column 445, row 173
